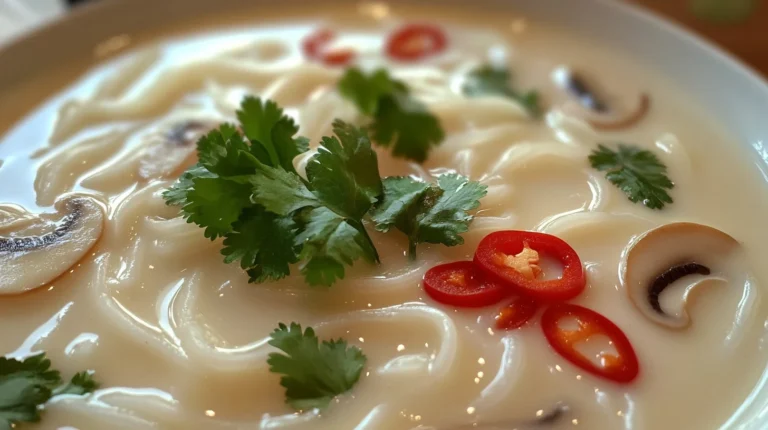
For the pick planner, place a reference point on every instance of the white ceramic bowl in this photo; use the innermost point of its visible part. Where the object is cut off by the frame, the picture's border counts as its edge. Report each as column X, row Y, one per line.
column 57, row 53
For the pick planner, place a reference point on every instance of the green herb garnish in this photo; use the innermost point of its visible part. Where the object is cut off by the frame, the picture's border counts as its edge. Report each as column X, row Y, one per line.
column 637, row 172
column 80, row 384
column 216, row 193
column 245, row 189
column 26, row 385
column 271, row 133
column 342, row 185
column 490, row 80
column 428, row 213
column 313, row 372
column 399, row 120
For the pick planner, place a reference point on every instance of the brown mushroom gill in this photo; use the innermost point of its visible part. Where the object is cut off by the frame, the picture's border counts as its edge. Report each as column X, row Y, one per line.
column 676, row 252
column 186, row 133
column 169, row 153
column 32, row 257
column 669, row 277
column 578, row 87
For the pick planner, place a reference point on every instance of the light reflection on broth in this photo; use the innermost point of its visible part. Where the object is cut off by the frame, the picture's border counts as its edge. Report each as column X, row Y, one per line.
column 178, row 338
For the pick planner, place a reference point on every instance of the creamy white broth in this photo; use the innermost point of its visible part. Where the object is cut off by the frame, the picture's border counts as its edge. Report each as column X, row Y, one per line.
column 178, row 339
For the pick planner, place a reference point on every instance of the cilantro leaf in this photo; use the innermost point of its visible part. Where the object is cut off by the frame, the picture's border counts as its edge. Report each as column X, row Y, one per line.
column 213, row 193
column 399, row 120
column 24, row 385
column 281, row 192
column 345, row 171
column 81, row 383
column 27, row 384
column 271, row 133
column 176, row 195
column 19, row 401
column 489, row 80
column 216, row 193
column 227, row 160
column 407, row 126
column 636, row 172
column 447, row 217
column 215, row 203
column 365, row 91
column 246, row 189
column 224, row 152
column 401, row 203
column 428, row 213
column 37, row 365
column 313, row 372
column 343, row 183
column 264, row 244
column 329, row 242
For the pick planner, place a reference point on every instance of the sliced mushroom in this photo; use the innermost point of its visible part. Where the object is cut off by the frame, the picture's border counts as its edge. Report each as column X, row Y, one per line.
column 578, row 87
column 170, row 153
column 628, row 121
column 39, row 252
column 658, row 258
column 584, row 92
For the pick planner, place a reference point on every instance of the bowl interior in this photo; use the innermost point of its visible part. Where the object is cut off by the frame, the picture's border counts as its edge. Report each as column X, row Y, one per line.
column 57, row 54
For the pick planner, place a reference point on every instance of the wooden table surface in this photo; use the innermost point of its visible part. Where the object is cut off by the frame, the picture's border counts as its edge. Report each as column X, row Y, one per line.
column 747, row 39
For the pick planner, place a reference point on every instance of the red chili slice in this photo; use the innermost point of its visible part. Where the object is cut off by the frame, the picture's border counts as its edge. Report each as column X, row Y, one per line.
column 461, row 284
column 517, row 313
column 339, row 57
column 312, row 44
column 622, row 368
column 497, row 252
column 414, row 42
column 314, row 48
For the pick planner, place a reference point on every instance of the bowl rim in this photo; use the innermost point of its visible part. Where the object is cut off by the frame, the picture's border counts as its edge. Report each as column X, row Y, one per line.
column 678, row 30
column 83, row 13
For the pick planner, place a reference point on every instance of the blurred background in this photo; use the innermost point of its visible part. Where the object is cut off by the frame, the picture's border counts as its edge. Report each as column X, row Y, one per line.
column 739, row 26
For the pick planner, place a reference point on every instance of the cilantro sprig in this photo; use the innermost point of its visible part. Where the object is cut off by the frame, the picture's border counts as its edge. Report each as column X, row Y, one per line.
column 636, row 172
column 216, row 193
column 313, row 372
column 491, row 80
column 246, row 190
column 27, row 384
column 399, row 120
column 428, row 213
column 342, row 185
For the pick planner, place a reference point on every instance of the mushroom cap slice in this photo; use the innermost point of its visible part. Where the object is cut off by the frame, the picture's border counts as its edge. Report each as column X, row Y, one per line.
column 661, row 256
column 39, row 252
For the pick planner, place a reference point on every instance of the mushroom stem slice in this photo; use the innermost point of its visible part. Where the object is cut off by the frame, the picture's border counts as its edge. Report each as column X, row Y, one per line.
column 628, row 121
column 38, row 253
column 658, row 258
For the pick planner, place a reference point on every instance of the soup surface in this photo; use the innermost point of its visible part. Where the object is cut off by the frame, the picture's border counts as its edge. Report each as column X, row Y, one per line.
column 178, row 339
